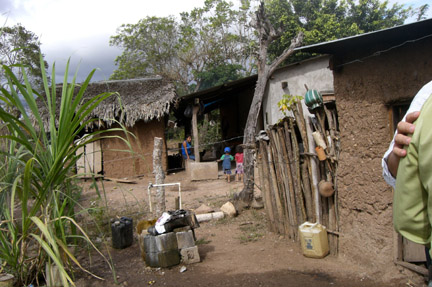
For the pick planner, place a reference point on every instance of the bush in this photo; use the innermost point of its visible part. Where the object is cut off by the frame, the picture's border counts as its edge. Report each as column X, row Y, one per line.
column 37, row 191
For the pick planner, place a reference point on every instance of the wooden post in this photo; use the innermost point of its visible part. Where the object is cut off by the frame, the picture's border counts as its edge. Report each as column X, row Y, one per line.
column 273, row 176
column 291, row 174
column 264, row 177
column 288, row 183
column 159, row 176
column 195, row 132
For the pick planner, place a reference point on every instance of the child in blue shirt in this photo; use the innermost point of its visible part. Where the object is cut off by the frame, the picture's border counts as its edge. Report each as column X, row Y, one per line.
column 226, row 163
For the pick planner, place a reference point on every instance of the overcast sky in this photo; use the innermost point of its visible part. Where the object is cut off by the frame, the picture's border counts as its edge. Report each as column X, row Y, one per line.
column 80, row 29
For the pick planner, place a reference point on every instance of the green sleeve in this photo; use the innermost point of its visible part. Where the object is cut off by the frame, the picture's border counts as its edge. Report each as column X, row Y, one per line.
column 412, row 204
column 222, row 157
column 232, row 158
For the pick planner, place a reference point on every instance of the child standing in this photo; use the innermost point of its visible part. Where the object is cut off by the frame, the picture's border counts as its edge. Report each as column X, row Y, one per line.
column 239, row 163
column 226, row 163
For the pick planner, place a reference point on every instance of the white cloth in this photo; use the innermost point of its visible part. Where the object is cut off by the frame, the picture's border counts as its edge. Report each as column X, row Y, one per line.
column 416, row 105
column 160, row 223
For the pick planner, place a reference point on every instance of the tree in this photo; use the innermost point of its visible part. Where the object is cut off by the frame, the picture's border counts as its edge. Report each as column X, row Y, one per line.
column 267, row 34
column 421, row 12
column 325, row 20
column 149, row 48
column 20, row 46
column 213, row 41
column 278, row 27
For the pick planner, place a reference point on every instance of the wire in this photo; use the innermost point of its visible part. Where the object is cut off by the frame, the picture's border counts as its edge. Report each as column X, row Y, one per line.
column 383, row 51
column 142, row 155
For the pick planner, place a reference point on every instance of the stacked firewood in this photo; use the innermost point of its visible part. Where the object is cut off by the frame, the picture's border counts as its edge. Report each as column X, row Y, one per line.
column 297, row 164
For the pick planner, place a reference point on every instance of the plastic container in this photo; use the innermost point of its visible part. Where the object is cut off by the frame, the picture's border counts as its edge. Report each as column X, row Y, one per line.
column 320, row 153
column 122, row 232
column 314, row 241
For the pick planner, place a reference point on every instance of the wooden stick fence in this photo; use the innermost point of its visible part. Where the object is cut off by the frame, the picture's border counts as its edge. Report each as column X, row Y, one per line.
column 288, row 177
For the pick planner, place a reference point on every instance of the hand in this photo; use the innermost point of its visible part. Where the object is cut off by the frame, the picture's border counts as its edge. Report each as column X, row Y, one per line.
column 402, row 139
column 403, row 135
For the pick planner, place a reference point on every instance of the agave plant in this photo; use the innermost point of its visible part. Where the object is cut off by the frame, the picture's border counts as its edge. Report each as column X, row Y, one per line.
column 37, row 204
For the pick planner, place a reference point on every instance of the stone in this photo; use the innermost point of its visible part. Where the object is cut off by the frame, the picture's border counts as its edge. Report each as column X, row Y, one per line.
column 257, row 204
column 202, row 170
column 160, row 243
column 182, row 229
column 229, row 209
column 203, row 209
column 162, row 259
column 190, row 255
column 141, row 245
column 185, row 239
column 183, row 269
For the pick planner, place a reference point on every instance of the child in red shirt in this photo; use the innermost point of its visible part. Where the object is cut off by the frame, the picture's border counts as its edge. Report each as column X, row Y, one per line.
column 239, row 163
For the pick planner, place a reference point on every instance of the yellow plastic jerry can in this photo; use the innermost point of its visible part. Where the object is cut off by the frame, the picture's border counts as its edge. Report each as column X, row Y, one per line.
column 314, row 241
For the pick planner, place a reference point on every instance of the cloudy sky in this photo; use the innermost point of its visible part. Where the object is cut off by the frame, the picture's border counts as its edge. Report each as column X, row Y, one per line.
column 80, row 29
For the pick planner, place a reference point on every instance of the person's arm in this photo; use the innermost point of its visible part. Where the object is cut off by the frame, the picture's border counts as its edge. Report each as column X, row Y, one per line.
column 185, row 149
column 390, row 160
column 401, row 139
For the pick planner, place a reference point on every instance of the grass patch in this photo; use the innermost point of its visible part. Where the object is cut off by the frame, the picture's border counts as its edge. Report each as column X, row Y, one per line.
column 202, row 241
column 251, row 232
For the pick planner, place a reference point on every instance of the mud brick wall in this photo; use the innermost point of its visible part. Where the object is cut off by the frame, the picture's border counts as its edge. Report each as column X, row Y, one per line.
column 119, row 164
column 363, row 91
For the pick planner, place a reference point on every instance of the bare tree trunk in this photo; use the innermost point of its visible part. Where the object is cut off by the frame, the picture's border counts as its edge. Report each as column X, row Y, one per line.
column 159, row 176
column 267, row 34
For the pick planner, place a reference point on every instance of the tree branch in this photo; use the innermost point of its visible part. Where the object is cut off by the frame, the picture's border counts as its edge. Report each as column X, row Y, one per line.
column 295, row 42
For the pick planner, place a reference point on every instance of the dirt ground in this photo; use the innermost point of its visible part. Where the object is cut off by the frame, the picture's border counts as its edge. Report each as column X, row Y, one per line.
column 236, row 251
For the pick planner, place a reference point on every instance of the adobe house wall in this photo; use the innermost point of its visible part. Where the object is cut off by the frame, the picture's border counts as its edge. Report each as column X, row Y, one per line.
column 364, row 89
column 120, row 164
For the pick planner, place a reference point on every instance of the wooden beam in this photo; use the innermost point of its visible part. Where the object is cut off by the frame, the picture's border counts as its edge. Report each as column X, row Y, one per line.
column 195, row 132
column 419, row 269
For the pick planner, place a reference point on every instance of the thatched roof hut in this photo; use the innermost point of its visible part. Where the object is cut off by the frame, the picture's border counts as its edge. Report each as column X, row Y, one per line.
column 136, row 99
column 141, row 105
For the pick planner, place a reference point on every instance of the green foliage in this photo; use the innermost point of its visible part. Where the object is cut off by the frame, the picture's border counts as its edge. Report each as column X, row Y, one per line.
column 37, row 191
column 215, row 76
column 209, row 45
column 209, row 130
column 325, row 20
column 20, row 46
column 149, row 48
column 421, row 12
column 214, row 44
column 288, row 102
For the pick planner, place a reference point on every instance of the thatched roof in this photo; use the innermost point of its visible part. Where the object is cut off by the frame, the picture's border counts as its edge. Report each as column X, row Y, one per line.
column 142, row 99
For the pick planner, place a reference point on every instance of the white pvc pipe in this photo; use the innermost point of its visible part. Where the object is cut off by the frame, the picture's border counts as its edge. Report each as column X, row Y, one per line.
column 209, row 216
column 314, row 169
column 163, row 184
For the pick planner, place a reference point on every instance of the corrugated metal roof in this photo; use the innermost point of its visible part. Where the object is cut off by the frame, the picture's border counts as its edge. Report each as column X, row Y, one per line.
column 386, row 38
